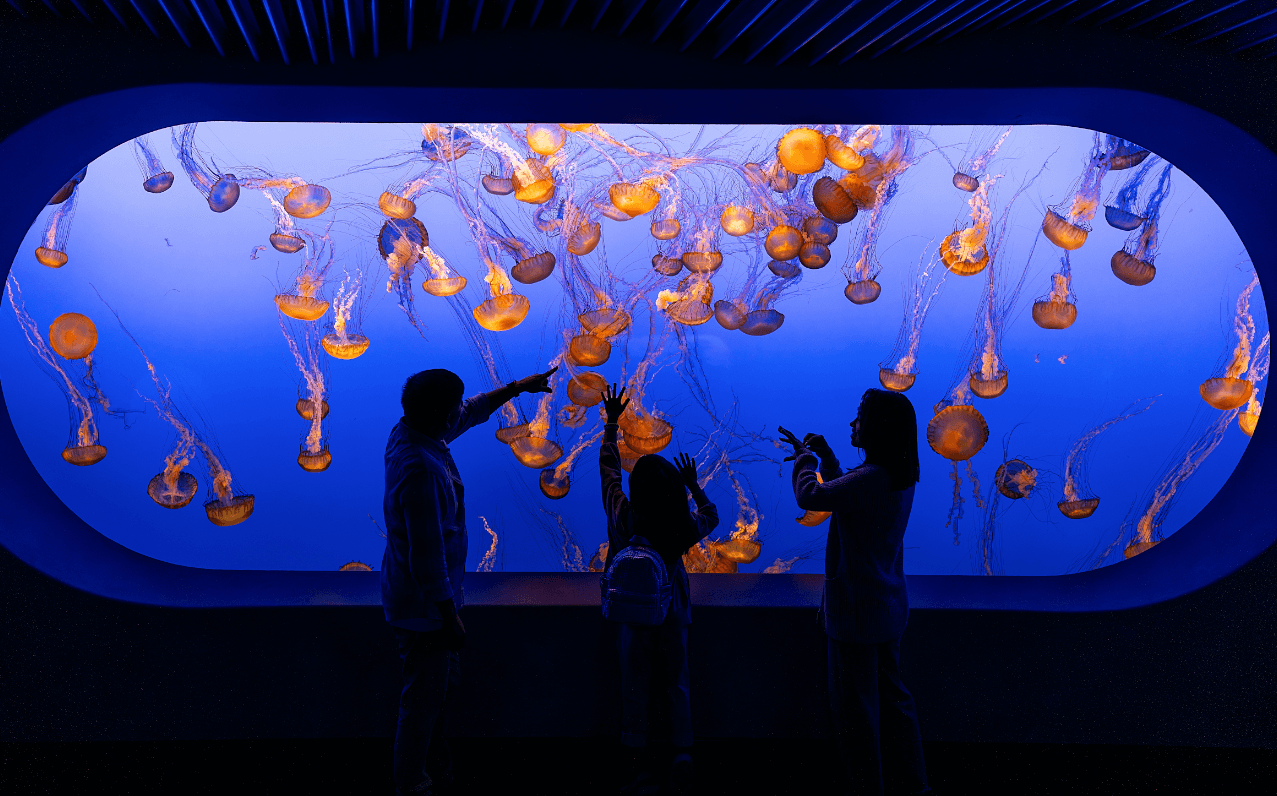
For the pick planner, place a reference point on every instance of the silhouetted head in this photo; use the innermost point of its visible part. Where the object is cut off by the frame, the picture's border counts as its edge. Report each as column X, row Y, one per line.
column 658, row 500
column 887, row 428
column 431, row 400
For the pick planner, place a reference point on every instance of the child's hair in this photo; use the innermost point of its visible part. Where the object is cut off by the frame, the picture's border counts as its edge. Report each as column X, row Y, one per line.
column 658, row 501
column 889, row 435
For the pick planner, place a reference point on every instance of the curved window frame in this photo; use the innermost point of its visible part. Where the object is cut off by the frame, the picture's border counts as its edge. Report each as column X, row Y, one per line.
column 39, row 529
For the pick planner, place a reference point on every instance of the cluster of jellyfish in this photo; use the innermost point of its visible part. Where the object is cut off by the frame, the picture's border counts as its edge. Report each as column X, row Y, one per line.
column 730, row 238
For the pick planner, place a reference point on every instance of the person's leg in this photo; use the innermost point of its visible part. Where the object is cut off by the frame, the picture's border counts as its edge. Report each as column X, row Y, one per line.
column 853, row 700
column 901, row 739
column 635, row 644
column 676, row 684
column 425, row 676
column 439, row 754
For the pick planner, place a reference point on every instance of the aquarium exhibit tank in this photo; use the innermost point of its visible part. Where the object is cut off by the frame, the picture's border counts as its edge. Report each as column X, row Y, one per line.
column 208, row 329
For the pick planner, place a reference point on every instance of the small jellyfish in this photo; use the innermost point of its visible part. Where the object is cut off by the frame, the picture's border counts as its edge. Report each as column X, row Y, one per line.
column 64, row 193
column 354, row 566
column 704, row 256
column 504, row 309
column 762, row 319
column 1058, row 309
column 1079, row 501
column 444, row 144
column 57, row 231
column 743, row 546
column 1068, row 228
column 811, row 518
column 666, row 229
column 531, row 265
column 862, row 268
column 982, row 146
column 730, row 313
column 783, row 242
column 304, row 344
column 220, row 189
column 900, row 369
column 1133, row 264
column 304, row 305
column 1230, row 389
column 1121, row 211
column 964, row 251
column 535, row 449
column 307, row 200
column 1248, row 418
column 442, row 281
column 344, row 341
column 847, row 156
column 155, row 178
column 555, row 482
column 737, row 220
column 1123, row 154
column 586, row 389
column 1015, row 478
column 533, row 182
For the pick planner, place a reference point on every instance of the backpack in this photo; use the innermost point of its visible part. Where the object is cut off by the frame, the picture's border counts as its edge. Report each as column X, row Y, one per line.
column 636, row 587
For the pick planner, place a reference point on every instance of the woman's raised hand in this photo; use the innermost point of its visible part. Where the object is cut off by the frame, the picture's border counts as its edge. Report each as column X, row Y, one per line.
column 686, row 470
column 614, row 403
column 817, row 445
column 788, row 438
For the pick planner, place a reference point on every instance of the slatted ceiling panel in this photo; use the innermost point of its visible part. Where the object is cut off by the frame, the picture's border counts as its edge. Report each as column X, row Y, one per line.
column 793, row 21
column 1233, row 23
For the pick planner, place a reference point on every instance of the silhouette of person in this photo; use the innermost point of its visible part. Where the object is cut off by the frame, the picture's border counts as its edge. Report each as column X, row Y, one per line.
column 864, row 605
column 654, row 659
column 424, row 562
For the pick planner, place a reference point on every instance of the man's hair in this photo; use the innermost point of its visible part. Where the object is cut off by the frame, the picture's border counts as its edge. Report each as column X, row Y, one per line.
column 430, row 395
column 889, row 435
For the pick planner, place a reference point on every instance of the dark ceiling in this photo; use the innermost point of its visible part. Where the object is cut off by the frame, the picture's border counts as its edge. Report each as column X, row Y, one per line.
column 796, row 32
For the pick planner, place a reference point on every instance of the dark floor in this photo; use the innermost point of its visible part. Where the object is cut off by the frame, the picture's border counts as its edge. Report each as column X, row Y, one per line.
column 574, row 766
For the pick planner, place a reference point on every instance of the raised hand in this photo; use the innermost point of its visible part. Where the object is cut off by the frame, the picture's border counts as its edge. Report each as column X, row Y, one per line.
column 614, row 403
column 817, row 445
column 788, row 438
column 686, row 470
column 537, row 382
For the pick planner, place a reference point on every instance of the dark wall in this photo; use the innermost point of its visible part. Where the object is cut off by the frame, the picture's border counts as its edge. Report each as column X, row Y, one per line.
column 1177, row 646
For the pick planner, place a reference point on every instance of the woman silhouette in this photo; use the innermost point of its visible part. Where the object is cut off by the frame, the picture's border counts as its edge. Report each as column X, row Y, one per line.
column 864, row 605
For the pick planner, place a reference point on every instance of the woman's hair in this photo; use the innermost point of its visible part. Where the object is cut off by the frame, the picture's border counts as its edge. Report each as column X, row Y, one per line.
column 889, row 435
column 658, row 501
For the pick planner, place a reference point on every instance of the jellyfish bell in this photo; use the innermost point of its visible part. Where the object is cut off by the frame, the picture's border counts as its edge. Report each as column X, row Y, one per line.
column 1054, row 314
column 410, row 230
column 158, row 183
column 801, row 150
column 820, row 230
column 841, row 155
column 50, row 257
column 1121, row 219
column 666, row 229
column 1078, row 509
column 1226, row 392
column 585, row 238
column 741, row 549
column 814, row 255
column 988, row 388
column 303, row 308
column 535, row 452
column 864, row 291
column 508, row 434
column 73, row 336
column 350, row 348
column 307, row 201
column 1127, row 156
column 1060, row 232
column 84, row 455
column 306, row 407
column 576, row 128
column 730, row 314
column 392, row 205
column 589, row 350
column 608, row 210
column 315, row 462
column 531, row 270
column 586, row 389
column 176, row 495
column 666, row 266
column 896, row 382
column 537, row 187
column 957, row 432
column 605, row 321
column 552, row 486
column 1136, row 547
column 965, row 182
column 546, row 138
column 761, row 322
column 648, row 434
column 702, row 262
column 1247, row 421
column 355, row 566
column 633, row 199
column 285, row 243
column 64, row 193
column 235, row 511
column 833, row 201
column 1132, row 270
column 502, row 313
column 444, row 286
column 737, row 221
column 224, row 194
column 1015, row 478
column 784, row 270
column 783, row 242
column 782, row 179
column 960, row 262
column 497, row 186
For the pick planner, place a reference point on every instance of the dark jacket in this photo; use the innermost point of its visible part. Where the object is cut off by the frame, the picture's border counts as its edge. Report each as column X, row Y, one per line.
column 671, row 548
column 864, row 598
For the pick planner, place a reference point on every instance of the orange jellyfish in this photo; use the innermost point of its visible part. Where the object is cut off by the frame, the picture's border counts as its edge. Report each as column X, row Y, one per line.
column 861, row 268
column 899, row 371
column 1079, row 501
column 847, row 156
column 762, row 319
column 57, row 231
column 703, row 257
column 155, row 178
column 1068, row 227
column 344, row 341
column 689, row 303
column 1248, row 418
column 303, row 304
column 634, row 199
column 957, row 432
column 533, row 182
column 982, row 146
column 399, row 199
column 737, row 220
column 586, row 389
column 285, row 239
column 442, row 281
column 743, row 546
column 1231, row 389
column 811, row 518
column 1133, row 264
column 220, row 189
column 504, row 309
column 964, row 251
column 402, row 243
column 546, row 139
column 1123, row 154
column 64, row 193
column 593, row 346
column 581, row 235
column 489, row 559
column 534, row 448
column 307, row 200
column 801, row 150
column 1058, row 309
column 555, row 482
column 303, row 343
column 354, row 566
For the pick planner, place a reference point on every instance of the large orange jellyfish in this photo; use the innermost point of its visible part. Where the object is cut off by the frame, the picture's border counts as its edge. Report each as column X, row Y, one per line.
column 555, row 482
column 220, row 189
column 155, row 178
column 1134, row 263
column 964, row 251
column 1231, row 388
column 1067, row 227
column 1058, row 309
column 345, row 341
column 304, row 304
column 957, row 432
column 1079, row 502
column 57, row 231
column 899, row 370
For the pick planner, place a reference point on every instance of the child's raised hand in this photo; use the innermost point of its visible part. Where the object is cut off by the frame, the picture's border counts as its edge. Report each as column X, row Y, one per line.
column 686, row 469
column 614, row 403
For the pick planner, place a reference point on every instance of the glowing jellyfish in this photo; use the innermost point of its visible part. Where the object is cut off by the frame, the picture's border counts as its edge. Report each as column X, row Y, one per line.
column 72, row 335
column 589, row 350
column 344, row 341
column 1015, row 478
column 1231, row 388
column 64, row 193
column 1068, row 228
column 982, row 146
column 57, row 231
column 861, row 268
column 634, row 199
column 964, row 251
column 584, row 238
column 533, row 182
column 833, row 201
column 1079, row 502
column 304, row 305
column 844, row 156
column 783, row 242
column 900, row 369
column 762, row 319
column 444, row 144
column 546, row 139
column 586, row 389
column 957, row 432
column 155, row 178
column 743, row 546
column 555, row 482
column 703, row 257
column 801, row 151
column 1134, row 263
column 1248, row 418
column 307, row 201
column 737, row 220
column 812, row 518
column 531, row 266
column 220, row 189
column 1123, row 154
column 304, row 345
column 504, row 310
column 666, row 229
column 666, row 266
column 392, row 205
column 1058, row 309
column 535, row 449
